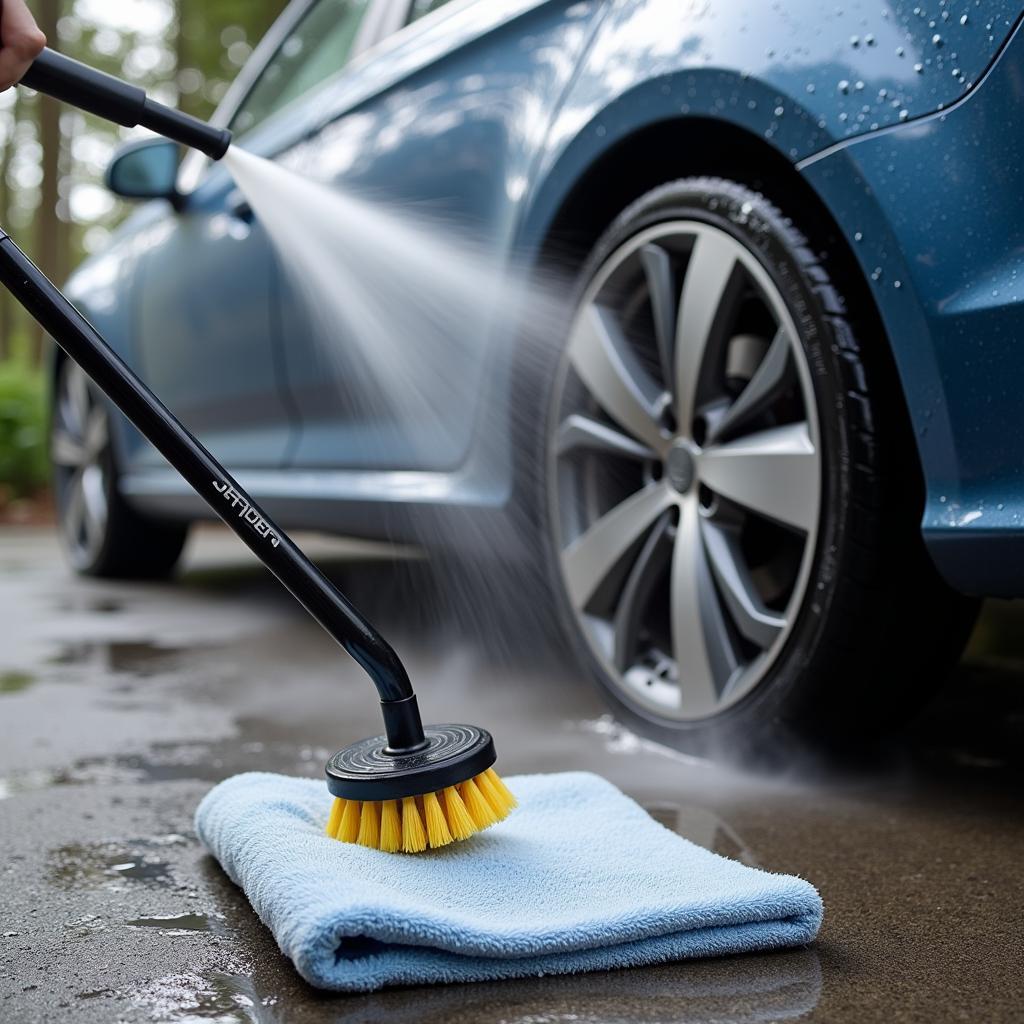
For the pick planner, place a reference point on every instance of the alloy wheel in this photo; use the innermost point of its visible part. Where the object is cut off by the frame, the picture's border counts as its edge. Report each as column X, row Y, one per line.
column 685, row 470
column 79, row 450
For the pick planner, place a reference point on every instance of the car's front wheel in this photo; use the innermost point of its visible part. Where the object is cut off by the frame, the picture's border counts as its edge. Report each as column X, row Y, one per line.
column 732, row 514
column 103, row 535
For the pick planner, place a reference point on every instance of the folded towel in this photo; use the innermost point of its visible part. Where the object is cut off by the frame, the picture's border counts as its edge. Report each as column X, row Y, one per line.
column 579, row 878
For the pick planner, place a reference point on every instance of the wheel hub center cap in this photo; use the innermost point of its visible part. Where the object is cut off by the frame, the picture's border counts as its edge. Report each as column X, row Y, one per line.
column 681, row 467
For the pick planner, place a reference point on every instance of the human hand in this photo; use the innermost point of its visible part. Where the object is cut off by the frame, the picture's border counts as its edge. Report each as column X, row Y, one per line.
column 20, row 41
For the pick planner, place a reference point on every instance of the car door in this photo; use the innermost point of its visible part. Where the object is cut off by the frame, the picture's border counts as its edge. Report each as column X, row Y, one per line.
column 444, row 116
column 204, row 332
column 207, row 336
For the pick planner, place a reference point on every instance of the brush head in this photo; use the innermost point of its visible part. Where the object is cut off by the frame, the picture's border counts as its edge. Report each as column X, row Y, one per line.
column 369, row 770
column 411, row 801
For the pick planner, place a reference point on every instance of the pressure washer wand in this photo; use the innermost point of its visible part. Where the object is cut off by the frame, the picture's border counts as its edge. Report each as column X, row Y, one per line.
column 108, row 97
column 79, row 339
column 412, row 788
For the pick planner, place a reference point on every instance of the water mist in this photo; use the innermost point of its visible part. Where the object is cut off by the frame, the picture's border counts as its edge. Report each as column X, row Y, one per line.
column 409, row 310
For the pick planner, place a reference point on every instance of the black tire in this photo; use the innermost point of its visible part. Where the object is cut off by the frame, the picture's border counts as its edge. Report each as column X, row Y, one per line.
column 125, row 544
column 877, row 627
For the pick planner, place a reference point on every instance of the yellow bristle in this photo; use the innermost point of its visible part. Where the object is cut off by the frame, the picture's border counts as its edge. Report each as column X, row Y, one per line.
column 459, row 820
column 437, row 827
column 369, row 824
column 390, row 827
column 495, row 780
column 479, row 809
column 348, row 830
column 498, row 795
column 337, row 807
column 414, row 838
column 491, row 795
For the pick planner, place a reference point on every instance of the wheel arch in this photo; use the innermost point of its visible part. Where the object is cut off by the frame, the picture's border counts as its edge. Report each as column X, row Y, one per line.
column 690, row 146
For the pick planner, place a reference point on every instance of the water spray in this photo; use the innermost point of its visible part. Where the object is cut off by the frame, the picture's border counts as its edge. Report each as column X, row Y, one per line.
column 409, row 789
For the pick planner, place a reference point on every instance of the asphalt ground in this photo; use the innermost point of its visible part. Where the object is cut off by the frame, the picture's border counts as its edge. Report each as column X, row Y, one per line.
column 120, row 705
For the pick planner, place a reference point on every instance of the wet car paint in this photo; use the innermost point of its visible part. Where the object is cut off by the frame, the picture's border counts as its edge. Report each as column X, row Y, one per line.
column 500, row 115
column 951, row 273
column 113, row 911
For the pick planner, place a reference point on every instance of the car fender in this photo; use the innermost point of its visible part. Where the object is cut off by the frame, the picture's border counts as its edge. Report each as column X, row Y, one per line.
column 801, row 78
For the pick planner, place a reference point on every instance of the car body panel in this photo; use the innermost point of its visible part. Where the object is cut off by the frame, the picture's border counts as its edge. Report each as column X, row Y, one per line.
column 948, row 279
column 456, row 139
column 776, row 73
column 205, row 341
column 495, row 110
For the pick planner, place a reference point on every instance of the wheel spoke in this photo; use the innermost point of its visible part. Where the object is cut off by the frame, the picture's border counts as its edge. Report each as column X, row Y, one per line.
column 754, row 621
column 95, row 503
column 762, row 389
column 605, row 363
column 700, row 639
column 583, row 432
column 78, row 397
column 774, row 473
column 590, row 558
column 664, row 306
column 637, row 592
column 708, row 273
column 66, row 450
column 96, row 431
column 74, row 512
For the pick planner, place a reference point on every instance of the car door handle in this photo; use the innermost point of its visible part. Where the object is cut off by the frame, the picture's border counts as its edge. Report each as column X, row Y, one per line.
column 238, row 207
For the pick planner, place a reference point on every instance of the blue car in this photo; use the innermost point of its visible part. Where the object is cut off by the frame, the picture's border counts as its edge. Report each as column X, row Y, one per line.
column 772, row 464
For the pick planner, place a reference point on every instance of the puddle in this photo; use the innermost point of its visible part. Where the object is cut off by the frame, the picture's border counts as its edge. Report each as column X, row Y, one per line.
column 26, row 782
column 111, row 864
column 217, row 997
column 704, row 828
column 173, row 762
column 619, row 740
column 140, row 658
column 175, row 924
column 83, row 927
column 97, row 605
column 15, row 682
column 100, row 993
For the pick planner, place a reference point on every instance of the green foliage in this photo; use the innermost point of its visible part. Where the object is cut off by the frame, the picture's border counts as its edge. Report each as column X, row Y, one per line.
column 24, row 467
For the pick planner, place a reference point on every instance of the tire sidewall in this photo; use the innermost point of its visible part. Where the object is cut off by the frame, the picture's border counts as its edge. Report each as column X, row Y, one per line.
column 814, row 306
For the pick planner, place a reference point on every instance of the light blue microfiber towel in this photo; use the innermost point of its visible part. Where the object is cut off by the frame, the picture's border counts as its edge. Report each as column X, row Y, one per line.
column 578, row 878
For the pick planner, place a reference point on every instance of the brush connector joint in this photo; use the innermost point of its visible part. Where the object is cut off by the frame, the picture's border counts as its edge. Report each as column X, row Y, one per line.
column 403, row 726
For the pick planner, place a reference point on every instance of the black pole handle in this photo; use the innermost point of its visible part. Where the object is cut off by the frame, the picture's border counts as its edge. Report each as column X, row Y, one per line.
column 110, row 98
column 80, row 340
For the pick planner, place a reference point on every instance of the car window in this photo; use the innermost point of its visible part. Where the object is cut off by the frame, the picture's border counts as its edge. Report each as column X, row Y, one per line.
column 421, row 7
column 319, row 46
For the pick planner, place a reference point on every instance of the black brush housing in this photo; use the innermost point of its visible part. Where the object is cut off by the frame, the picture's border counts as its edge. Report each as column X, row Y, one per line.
column 371, row 770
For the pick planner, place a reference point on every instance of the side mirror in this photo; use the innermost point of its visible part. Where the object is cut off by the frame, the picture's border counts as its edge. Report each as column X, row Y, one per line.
column 147, row 169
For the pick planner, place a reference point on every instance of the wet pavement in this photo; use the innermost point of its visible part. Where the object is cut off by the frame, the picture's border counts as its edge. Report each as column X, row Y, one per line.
column 120, row 705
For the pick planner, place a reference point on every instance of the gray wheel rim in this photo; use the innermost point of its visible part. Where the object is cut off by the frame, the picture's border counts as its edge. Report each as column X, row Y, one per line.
column 81, row 433
column 684, row 470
